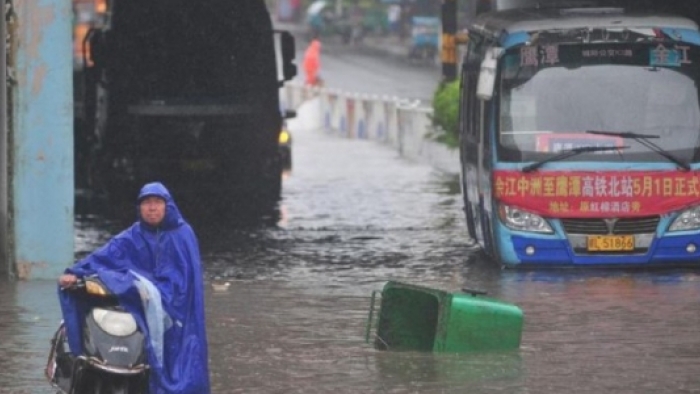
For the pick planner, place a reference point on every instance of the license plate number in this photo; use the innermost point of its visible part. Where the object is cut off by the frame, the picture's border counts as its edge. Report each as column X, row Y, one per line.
column 611, row 243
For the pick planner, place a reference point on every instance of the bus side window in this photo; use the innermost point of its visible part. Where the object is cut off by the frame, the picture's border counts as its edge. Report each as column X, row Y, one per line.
column 472, row 66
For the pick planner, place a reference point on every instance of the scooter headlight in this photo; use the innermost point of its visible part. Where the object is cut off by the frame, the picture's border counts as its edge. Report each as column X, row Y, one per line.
column 115, row 323
column 687, row 220
column 517, row 219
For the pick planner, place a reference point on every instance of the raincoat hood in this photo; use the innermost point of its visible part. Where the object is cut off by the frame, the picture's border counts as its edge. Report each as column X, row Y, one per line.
column 173, row 217
column 166, row 258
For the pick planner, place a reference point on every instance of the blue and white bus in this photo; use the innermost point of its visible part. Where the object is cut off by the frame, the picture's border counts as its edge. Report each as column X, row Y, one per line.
column 580, row 137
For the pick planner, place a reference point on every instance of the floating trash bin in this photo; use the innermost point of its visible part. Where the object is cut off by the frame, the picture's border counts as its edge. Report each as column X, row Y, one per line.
column 423, row 319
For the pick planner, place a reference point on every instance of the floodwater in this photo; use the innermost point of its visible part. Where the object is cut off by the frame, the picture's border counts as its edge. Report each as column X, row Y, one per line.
column 355, row 215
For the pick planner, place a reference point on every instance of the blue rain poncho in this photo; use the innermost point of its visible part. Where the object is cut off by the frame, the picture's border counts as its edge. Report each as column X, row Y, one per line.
column 133, row 264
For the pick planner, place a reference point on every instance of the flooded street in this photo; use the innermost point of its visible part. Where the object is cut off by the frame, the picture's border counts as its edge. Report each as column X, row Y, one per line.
column 353, row 216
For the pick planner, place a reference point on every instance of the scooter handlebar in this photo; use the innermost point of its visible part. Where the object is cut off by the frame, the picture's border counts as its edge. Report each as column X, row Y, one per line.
column 80, row 283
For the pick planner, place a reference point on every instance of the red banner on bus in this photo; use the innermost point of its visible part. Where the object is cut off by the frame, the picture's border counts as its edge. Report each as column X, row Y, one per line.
column 581, row 194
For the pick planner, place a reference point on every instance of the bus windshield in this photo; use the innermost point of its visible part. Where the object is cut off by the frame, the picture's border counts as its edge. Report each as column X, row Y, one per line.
column 551, row 96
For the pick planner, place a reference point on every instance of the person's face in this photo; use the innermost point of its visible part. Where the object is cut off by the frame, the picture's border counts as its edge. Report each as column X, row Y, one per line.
column 152, row 210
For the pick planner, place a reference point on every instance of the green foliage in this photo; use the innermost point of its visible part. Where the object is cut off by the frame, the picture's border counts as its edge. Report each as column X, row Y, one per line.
column 446, row 112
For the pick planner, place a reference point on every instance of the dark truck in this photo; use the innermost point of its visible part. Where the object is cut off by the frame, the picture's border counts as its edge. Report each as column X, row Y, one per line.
column 187, row 93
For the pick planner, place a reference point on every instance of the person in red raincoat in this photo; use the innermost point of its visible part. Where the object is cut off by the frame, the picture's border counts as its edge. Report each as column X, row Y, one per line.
column 312, row 62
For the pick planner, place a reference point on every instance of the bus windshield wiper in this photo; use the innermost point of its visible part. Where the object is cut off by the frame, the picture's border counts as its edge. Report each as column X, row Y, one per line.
column 570, row 152
column 643, row 139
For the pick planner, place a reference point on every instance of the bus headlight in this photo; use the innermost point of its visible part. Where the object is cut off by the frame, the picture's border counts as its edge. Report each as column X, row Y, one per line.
column 687, row 220
column 517, row 219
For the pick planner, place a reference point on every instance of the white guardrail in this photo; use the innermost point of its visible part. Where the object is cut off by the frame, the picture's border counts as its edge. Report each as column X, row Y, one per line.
column 402, row 124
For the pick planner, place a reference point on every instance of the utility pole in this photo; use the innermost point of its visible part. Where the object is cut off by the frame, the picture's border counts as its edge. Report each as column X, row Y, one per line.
column 449, row 40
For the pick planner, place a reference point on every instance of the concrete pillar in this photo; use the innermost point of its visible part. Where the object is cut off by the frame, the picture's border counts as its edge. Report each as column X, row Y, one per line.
column 41, row 179
column 4, row 260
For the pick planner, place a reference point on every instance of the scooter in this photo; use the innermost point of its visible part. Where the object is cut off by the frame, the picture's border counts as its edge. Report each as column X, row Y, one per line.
column 114, row 360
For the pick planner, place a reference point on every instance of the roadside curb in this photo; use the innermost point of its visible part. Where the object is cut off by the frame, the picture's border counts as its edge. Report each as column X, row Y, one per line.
column 400, row 124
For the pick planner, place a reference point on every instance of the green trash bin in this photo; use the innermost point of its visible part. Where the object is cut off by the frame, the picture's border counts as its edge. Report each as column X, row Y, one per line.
column 418, row 318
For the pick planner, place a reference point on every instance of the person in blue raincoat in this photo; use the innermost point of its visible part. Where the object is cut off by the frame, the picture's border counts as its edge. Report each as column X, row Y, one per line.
column 160, row 249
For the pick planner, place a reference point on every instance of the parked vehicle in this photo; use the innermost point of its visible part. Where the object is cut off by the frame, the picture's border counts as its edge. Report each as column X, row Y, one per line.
column 580, row 137
column 425, row 38
column 114, row 359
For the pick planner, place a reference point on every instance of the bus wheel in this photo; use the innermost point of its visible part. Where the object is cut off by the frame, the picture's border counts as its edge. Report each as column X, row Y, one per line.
column 492, row 246
column 469, row 213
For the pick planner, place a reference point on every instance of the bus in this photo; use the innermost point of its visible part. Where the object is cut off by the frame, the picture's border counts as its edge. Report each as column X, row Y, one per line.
column 580, row 137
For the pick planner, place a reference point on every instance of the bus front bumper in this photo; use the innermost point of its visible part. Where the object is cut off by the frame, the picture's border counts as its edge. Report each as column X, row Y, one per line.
column 668, row 250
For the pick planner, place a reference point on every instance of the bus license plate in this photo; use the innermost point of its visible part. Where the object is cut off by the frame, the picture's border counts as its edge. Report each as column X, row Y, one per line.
column 610, row 243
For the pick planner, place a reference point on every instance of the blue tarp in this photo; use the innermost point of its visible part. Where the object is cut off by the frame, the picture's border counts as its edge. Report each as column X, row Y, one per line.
column 168, row 256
